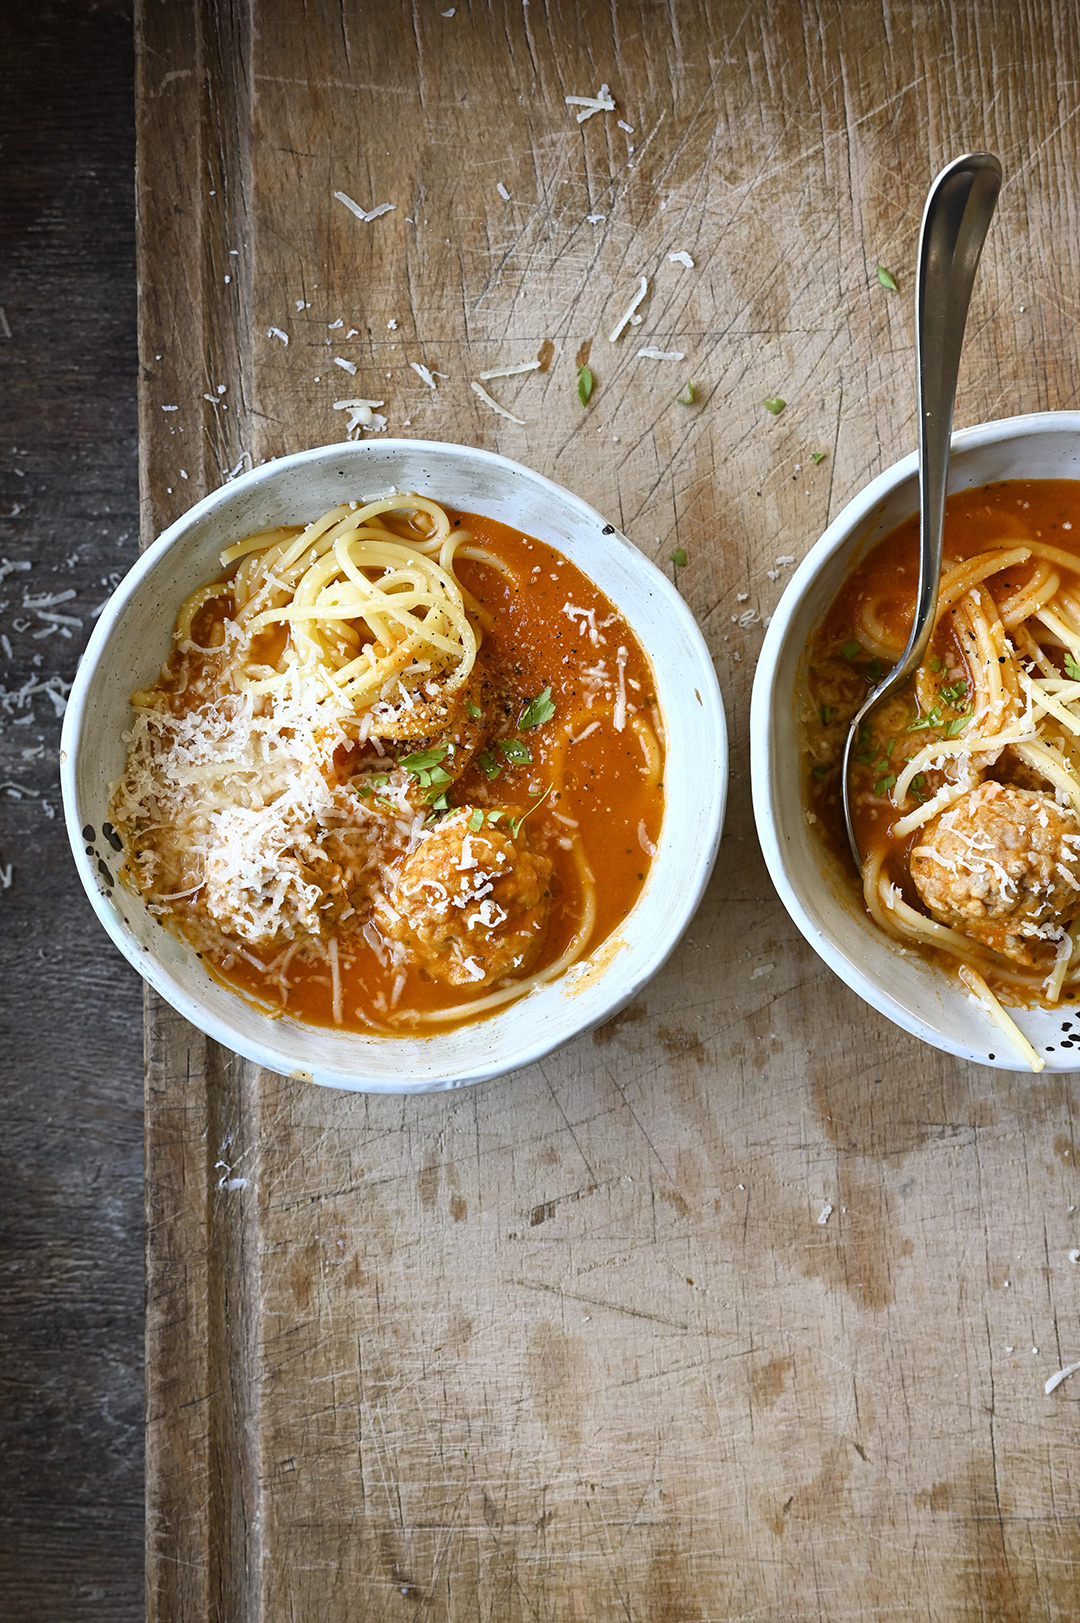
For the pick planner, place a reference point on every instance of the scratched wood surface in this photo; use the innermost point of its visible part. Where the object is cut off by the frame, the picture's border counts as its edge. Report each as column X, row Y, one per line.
column 584, row 1342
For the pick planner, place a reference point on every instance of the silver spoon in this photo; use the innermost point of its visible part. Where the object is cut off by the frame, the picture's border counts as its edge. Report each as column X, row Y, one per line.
column 957, row 216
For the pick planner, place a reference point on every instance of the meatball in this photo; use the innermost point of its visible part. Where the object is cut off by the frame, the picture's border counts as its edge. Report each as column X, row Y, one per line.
column 469, row 906
column 1002, row 864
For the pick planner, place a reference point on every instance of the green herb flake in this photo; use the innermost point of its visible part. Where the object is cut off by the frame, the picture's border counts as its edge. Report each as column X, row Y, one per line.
column 827, row 712
column 516, row 751
column 678, row 557
column 487, row 763
column 440, row 803
column 537, row 711
column 851, row 650
column 685, row 396
column 775, row 405
column 421, row 761
column 1072, row 669
column 818, row 456
column 820, row 773
column 955, row 727
column 874, row 672
column 883, row 785
column 887, row 279
column 917, row 787
column 473, row 709
column 934, row 663
column 476, row 820
column 585, row 384
column 494, row 817
column 516, row 822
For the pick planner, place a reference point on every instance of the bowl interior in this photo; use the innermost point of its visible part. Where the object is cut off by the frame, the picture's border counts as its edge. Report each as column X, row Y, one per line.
column 922, row 998
column 133, row 637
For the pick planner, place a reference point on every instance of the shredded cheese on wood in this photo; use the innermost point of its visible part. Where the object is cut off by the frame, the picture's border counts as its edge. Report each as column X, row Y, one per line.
column 364, row 214
column 630, row 316
column 478, row 388
column 602, row 102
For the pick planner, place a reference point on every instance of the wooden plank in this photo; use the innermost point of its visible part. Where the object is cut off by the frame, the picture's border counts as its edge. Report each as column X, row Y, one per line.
column 577, row 1344
column 71, row 1310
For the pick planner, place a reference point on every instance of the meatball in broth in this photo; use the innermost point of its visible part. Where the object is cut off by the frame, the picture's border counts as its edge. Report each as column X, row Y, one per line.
column 471, row 902
column 1003, row 865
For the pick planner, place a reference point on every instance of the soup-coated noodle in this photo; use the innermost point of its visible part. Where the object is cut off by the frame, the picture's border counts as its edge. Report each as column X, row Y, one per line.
column 966, row 785
column 399, row 768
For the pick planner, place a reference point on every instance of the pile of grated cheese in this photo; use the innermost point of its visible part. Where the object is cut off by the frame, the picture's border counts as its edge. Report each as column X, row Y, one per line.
column 234, row 804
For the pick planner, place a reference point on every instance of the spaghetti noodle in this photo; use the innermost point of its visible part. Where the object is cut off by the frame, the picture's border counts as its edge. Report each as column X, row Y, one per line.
column 399, row 768
column 966, row 785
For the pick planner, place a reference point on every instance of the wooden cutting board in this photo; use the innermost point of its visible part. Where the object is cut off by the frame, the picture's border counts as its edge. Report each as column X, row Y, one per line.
column 589, row 1342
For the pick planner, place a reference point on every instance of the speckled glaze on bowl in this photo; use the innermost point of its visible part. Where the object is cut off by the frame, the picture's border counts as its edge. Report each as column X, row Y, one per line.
column 133, row 636
column 915, row 993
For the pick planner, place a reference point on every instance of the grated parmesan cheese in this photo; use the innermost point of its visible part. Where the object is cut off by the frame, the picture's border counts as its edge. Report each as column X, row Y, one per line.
column 478, row 388
column 426, row 375
column 651, row 354
column 602, row 102
column 276, row 332
column 364, row 214
column 510, row 371
column 630, row 316
column 681, row 257
column 362, row 416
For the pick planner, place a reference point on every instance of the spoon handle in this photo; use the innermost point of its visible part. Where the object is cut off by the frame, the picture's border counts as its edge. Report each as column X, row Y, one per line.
column 957, row 216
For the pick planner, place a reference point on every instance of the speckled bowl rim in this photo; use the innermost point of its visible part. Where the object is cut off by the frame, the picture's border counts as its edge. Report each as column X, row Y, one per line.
column 577, row 1002
column 916, row 995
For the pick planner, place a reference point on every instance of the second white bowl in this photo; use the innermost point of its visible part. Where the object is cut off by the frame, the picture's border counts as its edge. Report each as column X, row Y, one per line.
column 917, row 994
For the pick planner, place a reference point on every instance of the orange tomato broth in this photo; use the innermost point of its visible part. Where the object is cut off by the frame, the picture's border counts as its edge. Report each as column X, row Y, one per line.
column 975, row 520
column 603, row 786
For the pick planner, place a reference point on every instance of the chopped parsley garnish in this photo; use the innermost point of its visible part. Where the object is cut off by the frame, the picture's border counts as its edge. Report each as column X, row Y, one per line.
column 917, row 787
column 685, row 396
column 537, row 711
column 517, row 752
column 775, row 405
column 516, row 822
column 818, row 456
column 934, row 663
column 851, row 650
column 473, row 709
column 920, row 724
column 488, row 764
column 678, row 557
column 439, row 803
column 874, row 672
column 887, row 279
column 585, row 382
column 476, row 820
column 421, row 761
column 827, row 712
column 1072, row 668
column 883, row 785
column 956, row 726
column 955, row 692
column 820, row 772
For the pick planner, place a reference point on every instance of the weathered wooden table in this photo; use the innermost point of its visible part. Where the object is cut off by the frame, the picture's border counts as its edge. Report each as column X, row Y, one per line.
column 583, row 1343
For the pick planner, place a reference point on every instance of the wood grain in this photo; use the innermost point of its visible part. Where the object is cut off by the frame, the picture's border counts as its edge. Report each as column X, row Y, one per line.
column 578, row 1344
column 71, row 1200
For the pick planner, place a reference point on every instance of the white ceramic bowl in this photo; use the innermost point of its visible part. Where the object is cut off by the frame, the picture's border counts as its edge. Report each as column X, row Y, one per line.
column 918, row 995
column 133, row 636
